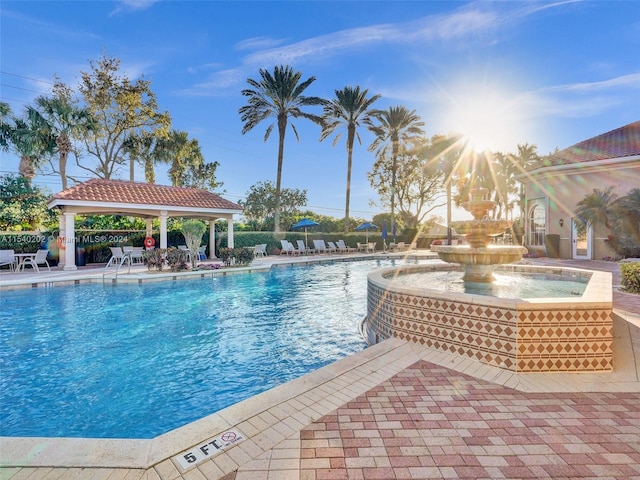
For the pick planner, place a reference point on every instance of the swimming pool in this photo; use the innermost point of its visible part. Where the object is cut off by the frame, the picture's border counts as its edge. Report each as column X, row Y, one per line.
column 135, row 361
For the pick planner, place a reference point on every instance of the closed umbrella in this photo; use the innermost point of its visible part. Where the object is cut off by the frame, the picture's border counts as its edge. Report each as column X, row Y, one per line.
column 384, row 235
column 366, row 226
column 304, row 223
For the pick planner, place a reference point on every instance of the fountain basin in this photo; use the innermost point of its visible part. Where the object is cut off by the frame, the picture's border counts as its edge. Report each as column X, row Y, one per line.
column 479, row 263
column 566, row 334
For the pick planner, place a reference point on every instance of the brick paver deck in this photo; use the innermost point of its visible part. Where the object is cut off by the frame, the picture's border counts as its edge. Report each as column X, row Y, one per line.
column 431, row 422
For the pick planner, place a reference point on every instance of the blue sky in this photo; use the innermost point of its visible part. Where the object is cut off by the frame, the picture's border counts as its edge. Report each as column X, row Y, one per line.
column 506, row 73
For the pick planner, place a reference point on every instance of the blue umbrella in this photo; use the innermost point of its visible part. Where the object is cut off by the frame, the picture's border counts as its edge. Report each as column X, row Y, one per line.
column 366, row 226
column 304, row 223
column 384, row 235
column 394, row 233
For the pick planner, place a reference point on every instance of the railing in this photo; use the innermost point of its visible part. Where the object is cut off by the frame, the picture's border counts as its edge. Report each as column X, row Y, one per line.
column 125, row 258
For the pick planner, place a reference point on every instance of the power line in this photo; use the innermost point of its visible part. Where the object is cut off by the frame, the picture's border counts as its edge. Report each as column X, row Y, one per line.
column 18, row 88
column 26, row 78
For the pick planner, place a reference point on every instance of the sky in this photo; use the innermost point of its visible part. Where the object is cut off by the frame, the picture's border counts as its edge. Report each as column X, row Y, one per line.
column 504, row 73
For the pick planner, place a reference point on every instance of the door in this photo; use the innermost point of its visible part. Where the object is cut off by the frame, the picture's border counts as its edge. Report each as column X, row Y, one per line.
column 582, row 239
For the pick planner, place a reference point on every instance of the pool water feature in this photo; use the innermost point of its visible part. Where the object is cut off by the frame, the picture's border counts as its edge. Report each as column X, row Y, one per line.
column 544, row 334
column 505, row 284
column 135, row 361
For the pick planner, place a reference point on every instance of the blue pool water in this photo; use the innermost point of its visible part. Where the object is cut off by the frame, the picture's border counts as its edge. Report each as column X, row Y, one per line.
column 135, row 361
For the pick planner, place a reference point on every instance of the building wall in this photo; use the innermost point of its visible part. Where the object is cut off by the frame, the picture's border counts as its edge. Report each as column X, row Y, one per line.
column 559, row 192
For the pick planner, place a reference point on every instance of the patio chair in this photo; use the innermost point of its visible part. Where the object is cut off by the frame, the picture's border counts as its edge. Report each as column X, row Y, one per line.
column 344, row 248
column 302, row 248
column 39, row 259
column 361, row 247
column 186, row 250
column 260, row 250
column 320, row 246
column 288, row 248
column 202, row 252
column 7, row 257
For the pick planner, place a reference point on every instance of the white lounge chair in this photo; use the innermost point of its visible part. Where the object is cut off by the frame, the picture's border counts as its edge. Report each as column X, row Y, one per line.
column 332, row 247
column 39, row 259
column 8, row 257
column 320, row 246
column 118, row 256
column 288, row 248
column 135, row 253
column 344, row 248
column 302, row 248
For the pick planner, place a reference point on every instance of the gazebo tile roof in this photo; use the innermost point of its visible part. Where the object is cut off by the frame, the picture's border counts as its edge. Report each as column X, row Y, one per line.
column 120, row 191
column 618, row 143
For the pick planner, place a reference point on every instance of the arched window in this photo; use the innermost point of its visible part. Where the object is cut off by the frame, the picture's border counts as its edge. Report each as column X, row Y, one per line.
column 537, row 225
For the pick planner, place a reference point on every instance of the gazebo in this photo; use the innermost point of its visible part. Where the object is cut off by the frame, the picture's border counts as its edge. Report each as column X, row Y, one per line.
column 142, row 200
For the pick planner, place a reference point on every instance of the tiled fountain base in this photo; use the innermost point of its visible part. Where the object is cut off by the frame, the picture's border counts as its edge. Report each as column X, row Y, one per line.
column 534, row 335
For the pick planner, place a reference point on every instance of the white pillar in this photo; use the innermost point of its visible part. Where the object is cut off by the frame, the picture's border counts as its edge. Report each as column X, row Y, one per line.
column 149, row 226
column 230, row 232
column 59, row 241
column 212, row 239
column 163, row 228
column 69, row 241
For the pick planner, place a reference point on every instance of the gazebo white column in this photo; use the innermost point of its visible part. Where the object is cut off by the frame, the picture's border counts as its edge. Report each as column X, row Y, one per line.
column 212, row 239
column 69, row 241
column 149, row 226
column 230, row 232
column 163, row 228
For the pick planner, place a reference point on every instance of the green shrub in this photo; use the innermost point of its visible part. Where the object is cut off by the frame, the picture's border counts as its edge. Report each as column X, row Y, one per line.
column 630, row 273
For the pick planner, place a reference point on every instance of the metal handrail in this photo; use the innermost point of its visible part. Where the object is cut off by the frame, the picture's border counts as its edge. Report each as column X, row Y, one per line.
column 126, row 257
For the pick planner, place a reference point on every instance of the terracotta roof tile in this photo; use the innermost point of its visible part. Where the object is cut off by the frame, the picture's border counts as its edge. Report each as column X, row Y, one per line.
column 618, row 143
column 119, row 191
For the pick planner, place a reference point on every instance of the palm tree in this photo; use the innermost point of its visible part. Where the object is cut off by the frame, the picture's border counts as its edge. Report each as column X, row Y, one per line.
column 397, row 126
column 278, row 96
column 5, row 126
column 349, row 108
column 32, row 139
column 66, row 122
column 596, row 207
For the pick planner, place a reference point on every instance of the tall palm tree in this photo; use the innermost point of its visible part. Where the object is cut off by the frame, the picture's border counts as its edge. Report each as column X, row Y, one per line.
column 32, row 139
column 349, row 109
column 5, row 126
column 397, row 127
column 66, row 122
column 278, row 96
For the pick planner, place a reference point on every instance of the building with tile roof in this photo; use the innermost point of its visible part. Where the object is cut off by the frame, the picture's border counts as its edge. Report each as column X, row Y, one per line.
column 554, row 186
column 143, row 200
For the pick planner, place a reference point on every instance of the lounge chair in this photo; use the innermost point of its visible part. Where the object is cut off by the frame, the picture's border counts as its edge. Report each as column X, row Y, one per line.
column 8, row 257
column 135, row 253
column 332, row 247
column 288, row 248
column 118, row 256
column 320, row 246
column 302, row 248
column 344, row 248
column 39, row 259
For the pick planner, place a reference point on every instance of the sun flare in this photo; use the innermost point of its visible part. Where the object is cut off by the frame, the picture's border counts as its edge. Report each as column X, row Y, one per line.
column 489, row 119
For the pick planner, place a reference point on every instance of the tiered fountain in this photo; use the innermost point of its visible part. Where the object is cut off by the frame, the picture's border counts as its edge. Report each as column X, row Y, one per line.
column 478, row 258
column 549, row 333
